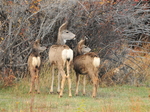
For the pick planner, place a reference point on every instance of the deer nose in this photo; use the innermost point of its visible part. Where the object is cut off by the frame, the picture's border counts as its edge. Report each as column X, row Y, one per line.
column 74, row 37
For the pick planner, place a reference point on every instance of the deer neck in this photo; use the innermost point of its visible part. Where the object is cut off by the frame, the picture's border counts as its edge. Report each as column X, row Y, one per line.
column 35, row 52
column 60, row 40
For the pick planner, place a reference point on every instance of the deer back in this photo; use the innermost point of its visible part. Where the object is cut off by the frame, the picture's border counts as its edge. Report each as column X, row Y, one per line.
column 58, row 54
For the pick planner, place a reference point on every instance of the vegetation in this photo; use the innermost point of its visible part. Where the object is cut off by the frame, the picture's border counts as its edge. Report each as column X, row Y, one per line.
column 118, row 31
column 109, row 99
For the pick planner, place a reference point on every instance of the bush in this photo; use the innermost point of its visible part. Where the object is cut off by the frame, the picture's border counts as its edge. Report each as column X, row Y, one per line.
column 116, row 29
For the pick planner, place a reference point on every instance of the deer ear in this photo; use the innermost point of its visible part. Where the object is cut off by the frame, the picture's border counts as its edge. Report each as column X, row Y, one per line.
column 63, row 26
column 86, row 40
column 81, row 42
column 38, row 41
column 31, row 42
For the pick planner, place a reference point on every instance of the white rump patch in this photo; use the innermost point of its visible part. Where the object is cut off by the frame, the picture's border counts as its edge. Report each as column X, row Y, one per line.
column 67, row 54
column 96, row 61
column 36, row 61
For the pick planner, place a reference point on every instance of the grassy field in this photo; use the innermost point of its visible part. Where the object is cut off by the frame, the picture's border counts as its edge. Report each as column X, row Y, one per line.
column 109, row 99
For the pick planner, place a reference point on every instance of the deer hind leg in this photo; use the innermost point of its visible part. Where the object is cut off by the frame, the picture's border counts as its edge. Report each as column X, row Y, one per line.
column 77, row 83
column 95, row 85
column 84, row 83
column 58, row 88
column 69, row 85
column 37, row 81
column 52, row 80
column 32, row 84
column 62, row 81
column 68, row 77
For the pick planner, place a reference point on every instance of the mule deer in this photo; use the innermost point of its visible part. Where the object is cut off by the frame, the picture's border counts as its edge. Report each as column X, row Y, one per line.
column 59, row 56
column 34, row 62
column 86, row 63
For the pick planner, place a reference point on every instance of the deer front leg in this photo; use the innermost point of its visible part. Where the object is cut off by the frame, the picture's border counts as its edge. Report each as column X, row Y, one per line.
column 77, row 83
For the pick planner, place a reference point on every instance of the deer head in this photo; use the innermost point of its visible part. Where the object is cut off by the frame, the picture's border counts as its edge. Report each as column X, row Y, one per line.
column 64, row 34
column 81, row 48
column 37, row 46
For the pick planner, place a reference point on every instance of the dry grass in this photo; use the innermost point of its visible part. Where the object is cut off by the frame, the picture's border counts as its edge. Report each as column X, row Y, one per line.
column 109, row 99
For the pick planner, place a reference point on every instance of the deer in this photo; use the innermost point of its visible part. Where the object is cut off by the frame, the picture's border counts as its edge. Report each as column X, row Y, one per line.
column 86, row 63
column 60, row 57
column 34, row 63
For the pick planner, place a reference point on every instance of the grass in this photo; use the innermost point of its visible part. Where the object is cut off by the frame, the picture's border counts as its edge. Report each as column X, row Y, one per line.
column 109, row 99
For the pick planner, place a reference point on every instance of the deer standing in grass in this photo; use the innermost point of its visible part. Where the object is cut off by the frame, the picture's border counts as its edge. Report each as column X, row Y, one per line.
column 60, row 56
column 34, row 62
column 86, row 63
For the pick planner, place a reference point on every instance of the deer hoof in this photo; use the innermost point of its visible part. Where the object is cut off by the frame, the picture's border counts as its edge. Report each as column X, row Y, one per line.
column 50, row 92
column 93, row 96
column 70, row 95
column 60, row 96
column 76, row 94
column 83, row 94
column 58, row 92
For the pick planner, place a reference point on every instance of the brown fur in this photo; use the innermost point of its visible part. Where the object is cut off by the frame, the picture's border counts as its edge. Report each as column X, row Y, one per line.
column 56, row 51
column 59, row 62
column 34, row 68
column 83, row 64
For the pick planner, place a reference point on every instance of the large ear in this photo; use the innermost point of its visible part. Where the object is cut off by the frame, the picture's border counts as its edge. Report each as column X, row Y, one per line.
column 81, row 42
column 86, row 40
column 63, row 26
column 37, row 41
column 79, row 46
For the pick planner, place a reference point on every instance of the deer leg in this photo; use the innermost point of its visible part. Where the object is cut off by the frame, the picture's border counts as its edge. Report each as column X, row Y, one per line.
column 52, row 83
column 95, row 85
column 62, row 81
column 58, row 88
column 32, row 85
column 77, row 83
column 36, row 85
column 37, row 82
column 69, row 85
column 84, row 82
column 68, row 77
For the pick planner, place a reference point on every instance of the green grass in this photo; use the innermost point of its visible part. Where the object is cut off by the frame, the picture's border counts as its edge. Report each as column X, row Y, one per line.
column 109, row 99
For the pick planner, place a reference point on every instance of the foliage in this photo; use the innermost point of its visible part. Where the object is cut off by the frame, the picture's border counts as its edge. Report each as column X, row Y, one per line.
column 116, row 30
